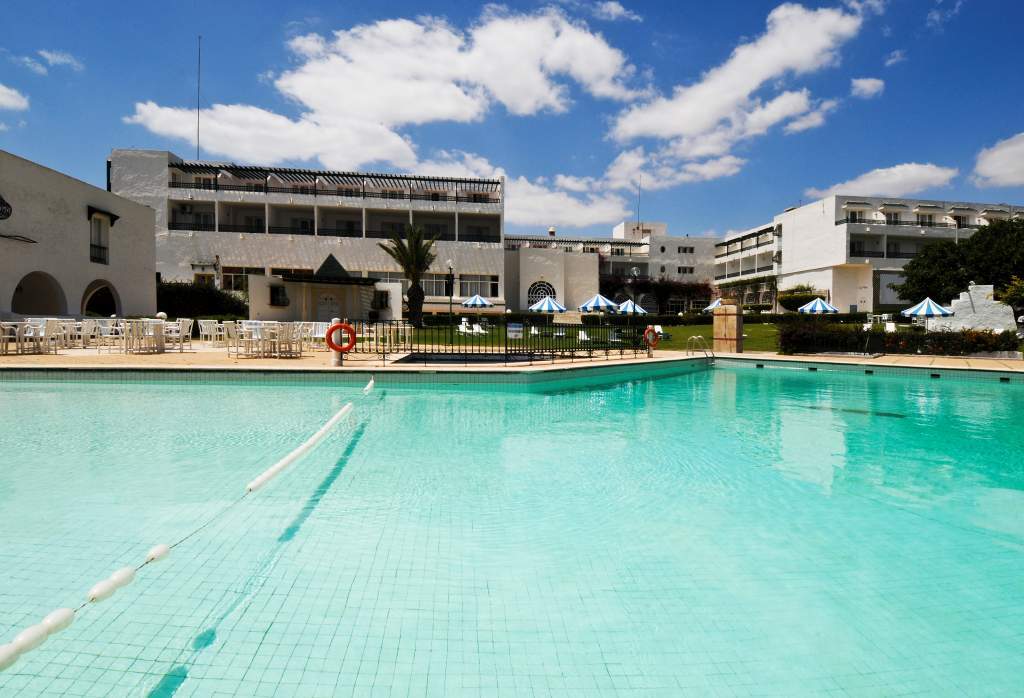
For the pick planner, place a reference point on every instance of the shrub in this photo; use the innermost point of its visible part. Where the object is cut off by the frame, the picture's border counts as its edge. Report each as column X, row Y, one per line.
column 811, row 335
column 791, row 300
column 198, row 300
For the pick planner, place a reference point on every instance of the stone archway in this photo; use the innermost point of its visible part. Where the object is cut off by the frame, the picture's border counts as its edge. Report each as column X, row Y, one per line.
column 38, row 293
column 100, row 299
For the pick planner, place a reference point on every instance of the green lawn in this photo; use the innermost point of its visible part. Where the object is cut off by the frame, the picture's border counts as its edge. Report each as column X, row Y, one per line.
column 757, row 337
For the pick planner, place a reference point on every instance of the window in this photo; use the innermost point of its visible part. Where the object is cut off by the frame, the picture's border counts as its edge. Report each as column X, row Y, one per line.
column 663, row 249
column 892, row 217
column 380, row 300
column 203, row 279
column 479, row 233
column 394, row 277
column 303, row 188
column 280, row 271
column 855, row 216
column 435, row 284
column 662, row 268
column 254, row 224
column 392, row 194
column 438, row 230
column 480, row 199
column 302, row 225
column 99, row 251
column 204, row 183
column 391, row 228
column 925, row 219
column 233, row 278
column 684, row 270
column 961, row 221
column 684, row 250
column 538, row 291
column 348, row 191
column 618, row 252
column 482, row 284
column 590, row 248
column 279, row 297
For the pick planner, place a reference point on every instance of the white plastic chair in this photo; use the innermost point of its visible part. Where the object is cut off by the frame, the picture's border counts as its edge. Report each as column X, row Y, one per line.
column 890, row 327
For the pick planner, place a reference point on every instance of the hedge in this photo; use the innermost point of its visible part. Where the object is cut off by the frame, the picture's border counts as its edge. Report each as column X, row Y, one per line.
column 198, row 300
column 811, row 336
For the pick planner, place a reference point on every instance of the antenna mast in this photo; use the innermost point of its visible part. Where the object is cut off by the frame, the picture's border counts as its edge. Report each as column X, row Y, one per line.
column 199, row 77
column 639, row 187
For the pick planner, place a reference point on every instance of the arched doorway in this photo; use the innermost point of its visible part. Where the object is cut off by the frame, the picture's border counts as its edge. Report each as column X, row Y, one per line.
column 538, row 290
column 38, row 293
column 100, row 300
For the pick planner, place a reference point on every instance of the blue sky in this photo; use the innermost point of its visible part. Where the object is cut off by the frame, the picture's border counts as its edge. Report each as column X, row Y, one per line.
column 726, row 111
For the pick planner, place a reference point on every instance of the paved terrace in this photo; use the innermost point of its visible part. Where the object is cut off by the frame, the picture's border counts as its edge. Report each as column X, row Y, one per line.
column 217, row 358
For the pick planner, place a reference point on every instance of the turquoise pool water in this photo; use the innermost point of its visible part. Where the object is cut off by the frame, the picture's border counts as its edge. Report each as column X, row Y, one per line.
column 724, row 532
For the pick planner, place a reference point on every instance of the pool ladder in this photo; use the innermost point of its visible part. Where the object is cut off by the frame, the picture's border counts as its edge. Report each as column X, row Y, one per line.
column 698, row 343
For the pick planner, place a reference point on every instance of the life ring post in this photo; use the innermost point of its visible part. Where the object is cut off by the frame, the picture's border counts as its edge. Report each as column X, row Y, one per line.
column 332, row 337
column 334, row 334
column 651, row 339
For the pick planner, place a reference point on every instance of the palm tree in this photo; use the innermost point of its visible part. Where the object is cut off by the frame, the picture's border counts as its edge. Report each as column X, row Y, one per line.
column 414, row 254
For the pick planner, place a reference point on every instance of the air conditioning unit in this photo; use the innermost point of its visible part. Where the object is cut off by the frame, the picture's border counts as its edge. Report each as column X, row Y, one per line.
column 186, row 208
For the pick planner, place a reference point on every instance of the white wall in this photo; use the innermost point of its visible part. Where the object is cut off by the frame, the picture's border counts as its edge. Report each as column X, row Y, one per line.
column 574, row 275
column 51, row 208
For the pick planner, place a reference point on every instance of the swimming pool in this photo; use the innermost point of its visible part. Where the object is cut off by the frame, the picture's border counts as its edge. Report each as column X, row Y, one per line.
column 723, row 531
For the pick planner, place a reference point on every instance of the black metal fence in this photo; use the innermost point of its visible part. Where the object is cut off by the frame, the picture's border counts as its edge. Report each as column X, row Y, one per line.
column 511, row 341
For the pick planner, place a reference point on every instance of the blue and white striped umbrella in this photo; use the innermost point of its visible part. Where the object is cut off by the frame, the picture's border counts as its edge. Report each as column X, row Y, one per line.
column 628, row 307
column 927, row 308
column 547, row 304
column 477, row 301
column 817, row 307
column 598, row 303
column 714, row 304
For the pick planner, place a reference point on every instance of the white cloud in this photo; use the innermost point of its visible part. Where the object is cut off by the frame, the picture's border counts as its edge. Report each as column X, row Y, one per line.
column 701, row 123
column 251, row 134
column 894, row 57
column 11, row 99
column 536, row 202
column 356, row 87
column 797, row 41
column 30, row 63
column 61, row 58
column 613, row 11
column 812, row 119
column 866, row 88
column 3, row 127
column 1002, row 165
column 898, row 180
column 939, row 15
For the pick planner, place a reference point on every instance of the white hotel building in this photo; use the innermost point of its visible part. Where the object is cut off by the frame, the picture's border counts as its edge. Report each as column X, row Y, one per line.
column 849, row 248
column 219, row 223
column 570, row 268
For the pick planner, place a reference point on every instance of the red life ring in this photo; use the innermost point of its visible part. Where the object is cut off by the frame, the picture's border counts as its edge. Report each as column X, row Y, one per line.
column 347, row 329
column 651, row 337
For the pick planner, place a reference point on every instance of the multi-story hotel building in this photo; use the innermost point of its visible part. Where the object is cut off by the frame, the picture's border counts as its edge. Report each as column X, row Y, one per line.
column 849, row 248
column 570, row 268
column 218, row 223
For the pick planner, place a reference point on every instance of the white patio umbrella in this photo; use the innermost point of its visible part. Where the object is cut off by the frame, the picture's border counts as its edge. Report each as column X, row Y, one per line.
column 597, row 304
column 547, row 304
column 817, row 307
column 714, row 304
column 477, row 301
column 927, row 308
column 628, row 307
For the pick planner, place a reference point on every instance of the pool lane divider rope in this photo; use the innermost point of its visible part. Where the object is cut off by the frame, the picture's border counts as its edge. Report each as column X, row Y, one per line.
column 35, row 635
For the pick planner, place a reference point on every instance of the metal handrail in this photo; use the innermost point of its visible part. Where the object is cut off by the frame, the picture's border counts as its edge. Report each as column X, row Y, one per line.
column 696, row 343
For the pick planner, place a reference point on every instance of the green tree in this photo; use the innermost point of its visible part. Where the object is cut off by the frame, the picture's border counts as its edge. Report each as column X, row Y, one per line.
column 1013, row 294
column 937, row 272
column 993, row 255
column 414, row 254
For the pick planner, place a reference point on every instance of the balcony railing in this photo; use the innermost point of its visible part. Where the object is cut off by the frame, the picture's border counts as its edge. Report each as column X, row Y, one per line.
column 241, row 228
column 340, row 232
column 259, row 188
column 476, row 237
column 199, row 227
column 99, row 254
column 768, row 267
column 911, row 224
column 855, row 252
column 289, row 230
column 900, row 254
column 878, row 254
